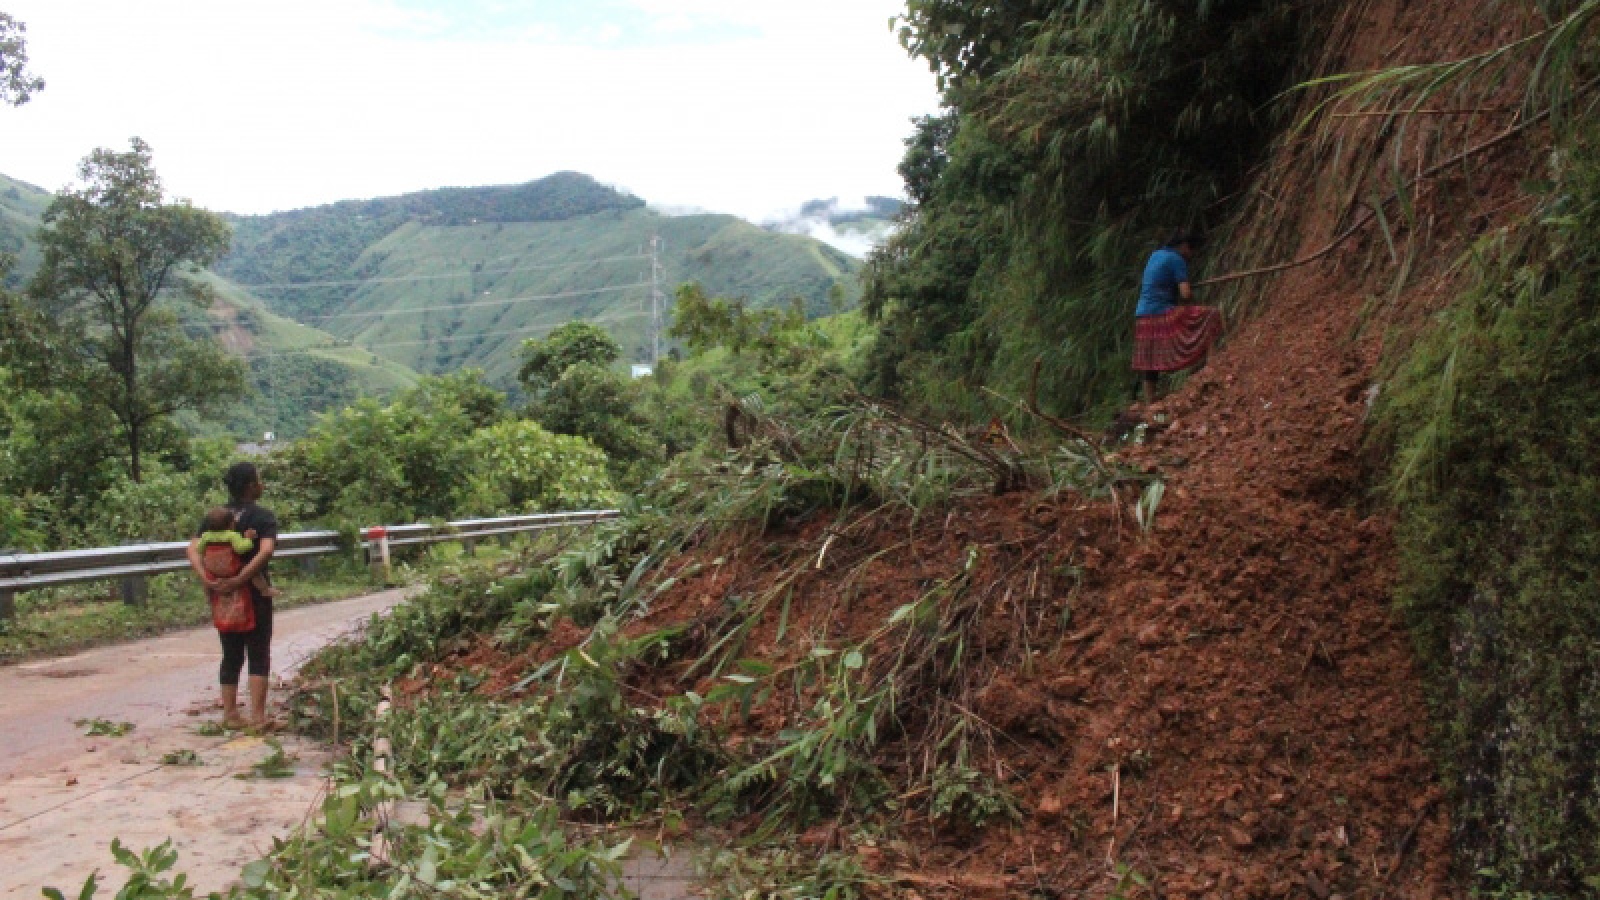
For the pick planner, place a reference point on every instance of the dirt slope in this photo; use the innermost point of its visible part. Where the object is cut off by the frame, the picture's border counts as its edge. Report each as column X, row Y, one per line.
column 1250, row 662
column 1250, row 666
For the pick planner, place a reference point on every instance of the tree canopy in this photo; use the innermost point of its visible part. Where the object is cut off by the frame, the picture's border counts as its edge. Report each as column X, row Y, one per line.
column 113, row 277
column 17, row 84
column 545, row 361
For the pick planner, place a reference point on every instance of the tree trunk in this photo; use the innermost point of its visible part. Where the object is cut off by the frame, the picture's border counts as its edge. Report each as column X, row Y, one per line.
column 133, row 452
column 130, row 386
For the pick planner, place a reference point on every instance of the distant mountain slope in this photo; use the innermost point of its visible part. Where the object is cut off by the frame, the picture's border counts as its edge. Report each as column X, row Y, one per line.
column 21, row 205
column 324, row 242
column 296, row 370
column 357, row 297
column 416, row 279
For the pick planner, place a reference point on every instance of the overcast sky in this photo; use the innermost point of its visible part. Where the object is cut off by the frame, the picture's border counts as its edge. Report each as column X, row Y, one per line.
column 743, row 106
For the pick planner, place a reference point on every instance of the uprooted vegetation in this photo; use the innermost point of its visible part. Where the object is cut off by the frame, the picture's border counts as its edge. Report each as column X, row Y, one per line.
column 842, row 650
column 850, row 677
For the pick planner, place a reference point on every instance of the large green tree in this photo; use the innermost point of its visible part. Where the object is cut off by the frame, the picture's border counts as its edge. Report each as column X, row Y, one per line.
column 113, row 281
column 573, row 389
column 544, row 361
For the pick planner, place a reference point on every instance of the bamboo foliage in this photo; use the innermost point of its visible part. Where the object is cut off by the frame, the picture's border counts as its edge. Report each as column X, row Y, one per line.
column 1071, row 149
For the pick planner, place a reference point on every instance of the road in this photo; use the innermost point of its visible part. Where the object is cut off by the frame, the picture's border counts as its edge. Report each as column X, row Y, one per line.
column 64, row 796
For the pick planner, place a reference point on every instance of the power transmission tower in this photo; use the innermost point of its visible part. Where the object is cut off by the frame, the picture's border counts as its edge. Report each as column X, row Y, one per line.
column 658, row 301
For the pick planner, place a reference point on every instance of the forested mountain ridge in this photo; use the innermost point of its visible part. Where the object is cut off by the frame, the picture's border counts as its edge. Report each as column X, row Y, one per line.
column 322, row 242
column 438, row 298
column 452, row 278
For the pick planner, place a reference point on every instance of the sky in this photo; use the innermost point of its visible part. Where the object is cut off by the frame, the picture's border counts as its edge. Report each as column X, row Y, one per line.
column 744, row 106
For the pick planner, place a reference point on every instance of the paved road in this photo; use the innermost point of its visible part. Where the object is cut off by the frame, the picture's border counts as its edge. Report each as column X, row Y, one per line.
column 64, row 796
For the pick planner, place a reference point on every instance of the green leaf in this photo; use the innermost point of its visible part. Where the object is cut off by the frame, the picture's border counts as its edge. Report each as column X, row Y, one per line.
column 255, row 874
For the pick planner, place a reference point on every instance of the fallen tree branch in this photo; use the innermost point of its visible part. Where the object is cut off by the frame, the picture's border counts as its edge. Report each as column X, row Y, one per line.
column 1400, row 113
column 1372, row 212
column 1407, row 839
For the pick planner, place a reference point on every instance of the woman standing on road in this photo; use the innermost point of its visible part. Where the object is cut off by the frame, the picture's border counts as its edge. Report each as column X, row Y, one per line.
column 244, row 489
column 1170, row 332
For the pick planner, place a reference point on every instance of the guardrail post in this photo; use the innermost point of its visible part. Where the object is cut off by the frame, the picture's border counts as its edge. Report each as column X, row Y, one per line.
column 378, row 552
column 469, row 546
column 135, row 590
column 505, row 540
column 308, row 565
column 8, row 605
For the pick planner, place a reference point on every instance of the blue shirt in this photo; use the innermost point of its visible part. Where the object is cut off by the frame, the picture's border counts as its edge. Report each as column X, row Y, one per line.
column 1162, row 274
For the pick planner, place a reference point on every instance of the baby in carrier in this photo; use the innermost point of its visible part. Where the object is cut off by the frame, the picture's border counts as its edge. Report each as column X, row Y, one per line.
column 222, row 548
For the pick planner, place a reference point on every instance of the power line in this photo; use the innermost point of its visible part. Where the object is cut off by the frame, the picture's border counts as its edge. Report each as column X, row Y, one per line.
column 509, row 300
column 245, row 325
column 297, row 285
column 439, row 340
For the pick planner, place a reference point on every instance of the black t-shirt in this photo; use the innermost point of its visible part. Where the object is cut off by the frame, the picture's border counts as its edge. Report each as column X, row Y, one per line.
column 252, row 516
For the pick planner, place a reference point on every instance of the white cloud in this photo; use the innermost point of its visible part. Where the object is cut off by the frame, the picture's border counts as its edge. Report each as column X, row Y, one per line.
column 857, row 239
column 749, row 106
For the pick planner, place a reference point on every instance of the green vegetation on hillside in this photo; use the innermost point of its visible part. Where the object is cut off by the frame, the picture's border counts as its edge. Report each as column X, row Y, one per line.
column 326, row 243
column 21, row 207
column 456, row 278
column 1499, row 488
column 294, row 371
column 1492, row 422
column 1078, row 136
column 436, row 298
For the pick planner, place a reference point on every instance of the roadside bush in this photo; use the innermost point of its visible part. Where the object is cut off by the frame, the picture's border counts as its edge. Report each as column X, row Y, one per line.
column 519, row 467
column 442, row 450
column 165, row 506
column 371, row 463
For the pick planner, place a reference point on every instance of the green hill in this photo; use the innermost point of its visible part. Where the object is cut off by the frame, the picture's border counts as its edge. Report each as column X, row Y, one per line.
column 296, row 370
column 21, row 205
column 357, row 297
column 452, row 278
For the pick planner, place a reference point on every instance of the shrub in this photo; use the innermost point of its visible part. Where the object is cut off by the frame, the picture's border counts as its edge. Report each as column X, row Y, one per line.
column 520, row 467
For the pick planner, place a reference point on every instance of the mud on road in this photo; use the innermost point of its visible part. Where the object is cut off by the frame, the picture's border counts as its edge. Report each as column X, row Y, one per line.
column 64, row 795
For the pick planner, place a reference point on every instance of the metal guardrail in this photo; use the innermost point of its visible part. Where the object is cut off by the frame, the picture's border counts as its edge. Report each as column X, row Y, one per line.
column 134, row 563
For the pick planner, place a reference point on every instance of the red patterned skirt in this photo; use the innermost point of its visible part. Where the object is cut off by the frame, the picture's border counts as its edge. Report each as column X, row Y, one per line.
column 1177, row 339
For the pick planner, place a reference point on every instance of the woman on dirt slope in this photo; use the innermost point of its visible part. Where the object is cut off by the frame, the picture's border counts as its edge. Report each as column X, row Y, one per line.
column 1171, row 333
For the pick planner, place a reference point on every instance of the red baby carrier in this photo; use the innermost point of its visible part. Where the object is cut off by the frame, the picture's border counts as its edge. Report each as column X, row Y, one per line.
column 233, row 611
